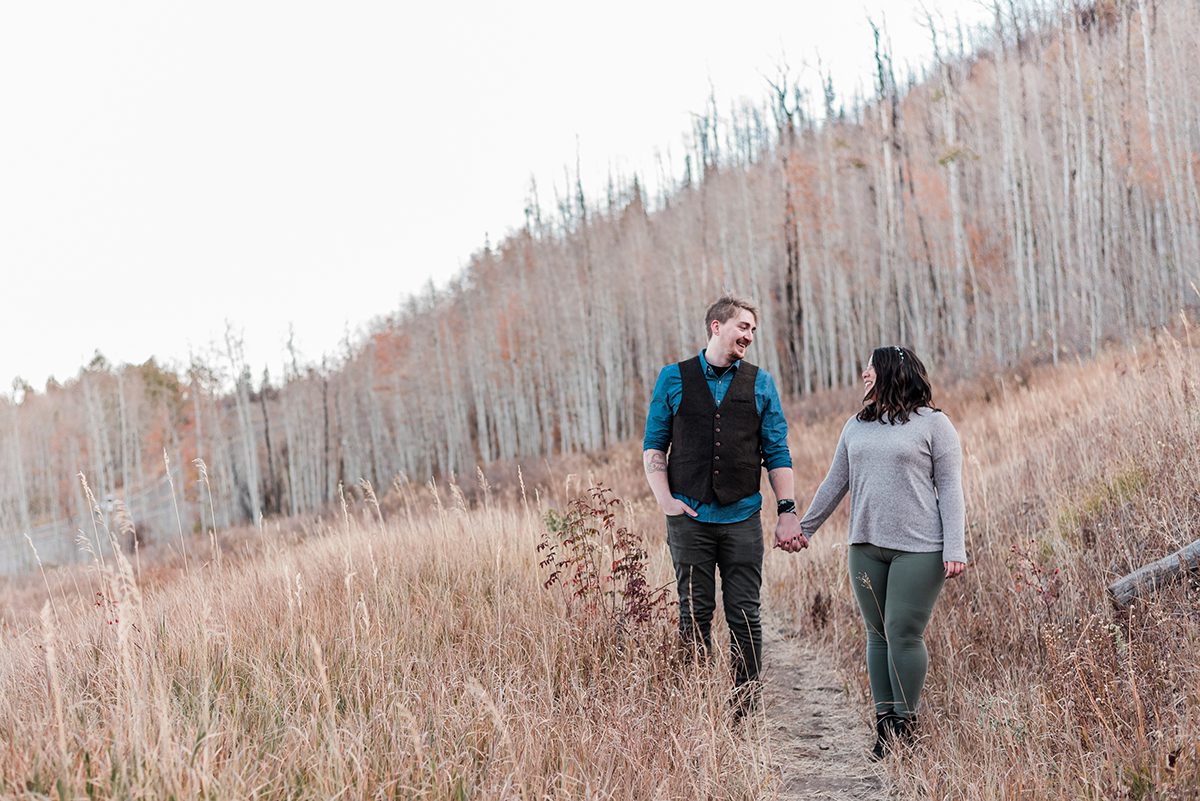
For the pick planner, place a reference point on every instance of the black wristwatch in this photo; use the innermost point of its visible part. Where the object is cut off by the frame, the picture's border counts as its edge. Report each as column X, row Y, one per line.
column 785, row 506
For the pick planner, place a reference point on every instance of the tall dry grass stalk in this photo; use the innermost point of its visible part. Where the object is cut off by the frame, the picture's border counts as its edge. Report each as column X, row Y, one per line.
column 175, row 506
column 202, row 472
column 53, row 690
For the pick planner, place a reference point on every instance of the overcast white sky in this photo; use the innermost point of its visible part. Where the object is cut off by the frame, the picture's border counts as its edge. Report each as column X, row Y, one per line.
column 166, row 167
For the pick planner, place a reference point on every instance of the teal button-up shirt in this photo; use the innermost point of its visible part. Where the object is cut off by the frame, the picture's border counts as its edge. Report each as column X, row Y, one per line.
column 664, row 403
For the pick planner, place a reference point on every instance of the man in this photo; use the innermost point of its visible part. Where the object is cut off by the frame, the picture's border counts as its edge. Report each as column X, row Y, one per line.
column 720, row 418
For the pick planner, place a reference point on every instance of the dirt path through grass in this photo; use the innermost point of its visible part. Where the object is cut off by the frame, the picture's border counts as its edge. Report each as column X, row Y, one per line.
column 819, row 741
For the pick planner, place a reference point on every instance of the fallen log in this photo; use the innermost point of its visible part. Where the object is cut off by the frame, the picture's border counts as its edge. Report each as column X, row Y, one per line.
column 1150, row 577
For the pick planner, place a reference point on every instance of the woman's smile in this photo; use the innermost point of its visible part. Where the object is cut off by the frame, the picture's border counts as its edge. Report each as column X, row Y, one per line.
column 868, row 377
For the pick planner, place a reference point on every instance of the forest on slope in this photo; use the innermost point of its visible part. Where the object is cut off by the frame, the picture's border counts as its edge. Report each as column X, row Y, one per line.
column 1034, row 195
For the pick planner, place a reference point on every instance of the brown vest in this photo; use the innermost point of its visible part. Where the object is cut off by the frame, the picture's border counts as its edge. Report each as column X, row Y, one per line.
column 716, row 452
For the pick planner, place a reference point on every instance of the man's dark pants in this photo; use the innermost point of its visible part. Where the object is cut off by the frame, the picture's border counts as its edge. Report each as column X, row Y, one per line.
column 736, row 549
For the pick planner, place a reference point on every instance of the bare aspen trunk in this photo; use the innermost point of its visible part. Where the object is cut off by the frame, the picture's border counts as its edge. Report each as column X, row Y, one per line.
column 248, row 452
column 24, row 518
column 272, row 502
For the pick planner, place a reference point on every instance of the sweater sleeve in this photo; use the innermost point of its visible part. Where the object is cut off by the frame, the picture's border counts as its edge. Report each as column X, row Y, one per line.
column 947, row 478
column 832, row 489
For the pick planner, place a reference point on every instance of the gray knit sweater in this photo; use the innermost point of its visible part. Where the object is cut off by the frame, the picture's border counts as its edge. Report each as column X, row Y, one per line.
column 905, row 484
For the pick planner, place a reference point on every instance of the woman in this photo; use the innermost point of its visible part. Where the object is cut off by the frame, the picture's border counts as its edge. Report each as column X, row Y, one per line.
column 901, row 461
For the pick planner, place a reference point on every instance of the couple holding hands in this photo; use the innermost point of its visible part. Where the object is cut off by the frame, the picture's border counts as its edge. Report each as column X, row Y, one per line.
column 715, row 421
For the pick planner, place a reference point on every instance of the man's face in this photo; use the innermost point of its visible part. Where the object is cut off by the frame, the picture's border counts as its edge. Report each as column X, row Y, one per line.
column 731, row 338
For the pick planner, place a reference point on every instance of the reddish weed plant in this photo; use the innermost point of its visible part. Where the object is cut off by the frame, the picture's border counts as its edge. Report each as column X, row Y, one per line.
column 1030, row 572
column 600, row 565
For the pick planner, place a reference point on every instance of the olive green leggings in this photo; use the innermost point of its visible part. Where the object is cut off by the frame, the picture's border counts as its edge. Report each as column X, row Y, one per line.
column 896, row 591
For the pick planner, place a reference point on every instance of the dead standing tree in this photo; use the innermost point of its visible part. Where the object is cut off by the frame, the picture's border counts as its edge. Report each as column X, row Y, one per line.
column 786, row 111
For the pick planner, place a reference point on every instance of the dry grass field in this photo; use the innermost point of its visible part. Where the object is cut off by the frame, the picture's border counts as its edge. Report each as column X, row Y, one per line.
column 409, row 649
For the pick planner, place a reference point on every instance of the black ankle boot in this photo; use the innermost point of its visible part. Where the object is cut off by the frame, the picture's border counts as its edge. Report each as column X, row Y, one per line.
column 904, row 729
column 746, row 700
column 884, row 731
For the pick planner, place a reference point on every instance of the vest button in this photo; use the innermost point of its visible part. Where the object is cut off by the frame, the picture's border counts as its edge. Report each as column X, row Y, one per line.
column 718, row 415
column 718, row 444
column 716, row 458
column 718, row 431
column 716, row 472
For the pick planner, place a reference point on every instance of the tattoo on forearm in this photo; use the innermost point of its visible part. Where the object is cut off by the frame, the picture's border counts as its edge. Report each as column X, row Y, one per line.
column 656, row 463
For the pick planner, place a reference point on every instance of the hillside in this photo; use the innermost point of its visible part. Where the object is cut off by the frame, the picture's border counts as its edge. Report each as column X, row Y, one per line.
column 411, row 649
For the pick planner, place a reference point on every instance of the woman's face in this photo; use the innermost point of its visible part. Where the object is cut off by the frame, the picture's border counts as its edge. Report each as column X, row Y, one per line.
column 868, row 377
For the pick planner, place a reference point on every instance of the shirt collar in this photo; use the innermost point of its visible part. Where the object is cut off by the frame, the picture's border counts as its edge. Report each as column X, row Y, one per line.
column 708, row 371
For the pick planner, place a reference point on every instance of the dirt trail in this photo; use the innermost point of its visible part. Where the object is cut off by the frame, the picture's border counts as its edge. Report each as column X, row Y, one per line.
column 819, row 741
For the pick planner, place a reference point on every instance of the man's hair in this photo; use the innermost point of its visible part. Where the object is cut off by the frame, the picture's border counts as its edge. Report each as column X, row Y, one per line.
column 724, row 308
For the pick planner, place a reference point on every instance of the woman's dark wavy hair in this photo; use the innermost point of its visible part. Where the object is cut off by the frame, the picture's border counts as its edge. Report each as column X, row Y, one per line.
column 901, row 386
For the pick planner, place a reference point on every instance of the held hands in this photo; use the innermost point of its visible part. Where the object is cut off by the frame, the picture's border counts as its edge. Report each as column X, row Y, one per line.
column 954, row 568
column 788, row 536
